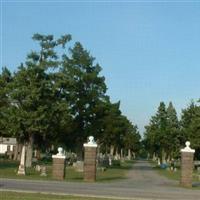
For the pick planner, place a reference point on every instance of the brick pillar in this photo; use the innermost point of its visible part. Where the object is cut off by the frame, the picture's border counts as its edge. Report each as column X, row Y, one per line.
column 58, row 171
column 187, row 165
column 90, row 156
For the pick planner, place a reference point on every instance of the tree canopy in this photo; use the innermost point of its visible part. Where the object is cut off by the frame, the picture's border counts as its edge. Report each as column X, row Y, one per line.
column 166, row 135
column 58, row 97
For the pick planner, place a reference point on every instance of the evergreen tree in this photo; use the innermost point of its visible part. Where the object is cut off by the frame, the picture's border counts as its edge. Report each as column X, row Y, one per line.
column 190, row 127
column 5, row 79
column 86, row 88
column 156, row 135
column 173, row 131
column 34, row 105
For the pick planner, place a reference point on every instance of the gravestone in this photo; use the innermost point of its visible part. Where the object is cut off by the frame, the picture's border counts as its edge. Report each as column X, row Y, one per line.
column 43, row 171
column 102, row 162
column 90, row 160
column 21, row 169
column 78, row 166
column 187, row 165
column 37, row 168
column 58, row 171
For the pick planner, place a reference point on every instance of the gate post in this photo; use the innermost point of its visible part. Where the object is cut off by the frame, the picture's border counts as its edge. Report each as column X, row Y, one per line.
column 90, row 160
column 58, row 171
column 187, row 165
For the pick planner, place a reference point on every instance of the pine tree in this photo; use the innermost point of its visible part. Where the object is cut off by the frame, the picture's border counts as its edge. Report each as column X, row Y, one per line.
column 173, row 131
column 34, row 106
column 86, row 88
column 190, row 127
column 5, row 79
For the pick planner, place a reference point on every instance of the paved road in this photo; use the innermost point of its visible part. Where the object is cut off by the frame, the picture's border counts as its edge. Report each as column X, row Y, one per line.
column 142, row 183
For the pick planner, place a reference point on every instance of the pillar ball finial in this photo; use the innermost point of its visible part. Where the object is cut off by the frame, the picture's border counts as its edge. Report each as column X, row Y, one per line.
column 187, row 144
column 187, row 148
column 91, row 140
column 60, row 150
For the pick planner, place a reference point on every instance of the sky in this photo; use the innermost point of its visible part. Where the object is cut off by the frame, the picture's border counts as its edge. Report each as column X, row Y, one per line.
column 149, row 51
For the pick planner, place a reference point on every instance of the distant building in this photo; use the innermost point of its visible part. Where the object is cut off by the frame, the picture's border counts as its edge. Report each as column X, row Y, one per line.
column 7, row 144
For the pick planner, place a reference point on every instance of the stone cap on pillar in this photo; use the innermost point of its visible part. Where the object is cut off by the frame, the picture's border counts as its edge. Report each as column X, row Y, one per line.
column 91, row 142
column 187, row 148
column 60, row 154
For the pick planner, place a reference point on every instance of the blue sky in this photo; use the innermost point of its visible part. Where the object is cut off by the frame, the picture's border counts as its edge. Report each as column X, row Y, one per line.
column 149, row 52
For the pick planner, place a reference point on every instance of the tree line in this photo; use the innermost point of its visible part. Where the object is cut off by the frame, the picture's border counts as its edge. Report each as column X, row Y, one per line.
column 165, row 134
column 58, row 97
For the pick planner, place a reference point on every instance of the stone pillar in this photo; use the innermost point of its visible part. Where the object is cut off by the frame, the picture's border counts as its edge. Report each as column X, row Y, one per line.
column 90, row 160
column 21, row 169
column 58, row 171
column 187, row 165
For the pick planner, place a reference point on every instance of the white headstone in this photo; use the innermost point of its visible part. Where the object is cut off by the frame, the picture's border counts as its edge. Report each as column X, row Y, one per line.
column 43, row 171
column 79, row 166
column 21, row 170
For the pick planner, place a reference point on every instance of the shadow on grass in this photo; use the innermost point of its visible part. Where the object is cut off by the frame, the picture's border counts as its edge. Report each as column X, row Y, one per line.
column 120, row 167
column 124, row 165
column 109, row 179
column 8, row 164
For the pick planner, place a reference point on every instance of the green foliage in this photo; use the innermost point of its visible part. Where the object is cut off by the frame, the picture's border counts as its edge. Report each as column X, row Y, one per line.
column 86, row 89
column 118, row 131
column 33, row 105
column 5, row 79
column 190, row 127
column 166, row 133
column 162, row 134
column 58, row 97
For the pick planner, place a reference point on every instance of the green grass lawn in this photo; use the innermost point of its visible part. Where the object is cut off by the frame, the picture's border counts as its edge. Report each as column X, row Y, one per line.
column 38, row 196
column 8, row 169
column 174, row 175
column 168, row 173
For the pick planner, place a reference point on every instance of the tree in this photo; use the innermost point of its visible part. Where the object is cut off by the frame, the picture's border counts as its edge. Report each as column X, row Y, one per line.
column 117, row 131
column 190, row 127
column 173, row 131
column 86, row 90
column 59, row 97
column 157, row 133
column 5, row 79
column 34, row 104
column 132, row 138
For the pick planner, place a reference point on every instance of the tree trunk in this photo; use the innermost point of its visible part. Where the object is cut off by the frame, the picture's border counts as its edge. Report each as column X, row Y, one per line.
column 129, row 154
column 111, row 150
column 134, row 155
column 122, row 154
column 159, row 161
column 154, row 156
column 163, row 157
column 79, row 151
column 29, row 152
column 19, row 152
column 16, row 151
column 117, row 155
